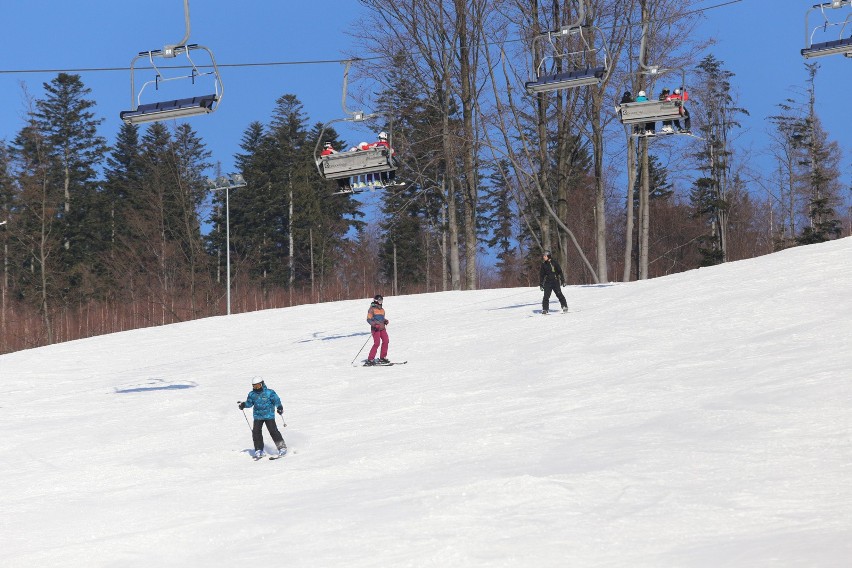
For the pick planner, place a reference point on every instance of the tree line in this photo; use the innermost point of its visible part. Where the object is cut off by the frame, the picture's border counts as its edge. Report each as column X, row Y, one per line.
column 105, row 236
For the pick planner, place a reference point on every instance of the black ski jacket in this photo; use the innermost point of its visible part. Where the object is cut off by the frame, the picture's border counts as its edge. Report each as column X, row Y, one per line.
column 550, row 270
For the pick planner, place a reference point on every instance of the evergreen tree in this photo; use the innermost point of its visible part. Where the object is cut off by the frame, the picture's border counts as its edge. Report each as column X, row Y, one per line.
column 255, row 208
column 658, row 180
column 74, row 149
column 123, row 187
column 717, row 112
column 825, row 226
column 498, row 217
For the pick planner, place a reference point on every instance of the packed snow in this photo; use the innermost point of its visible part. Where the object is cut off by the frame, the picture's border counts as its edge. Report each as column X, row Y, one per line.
column 702, row 419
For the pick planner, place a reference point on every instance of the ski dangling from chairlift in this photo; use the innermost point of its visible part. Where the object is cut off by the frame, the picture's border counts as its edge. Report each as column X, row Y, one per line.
column 583, row 63
column 643, row 112
column 366, row 166
column 174, row 107
column 831, row 44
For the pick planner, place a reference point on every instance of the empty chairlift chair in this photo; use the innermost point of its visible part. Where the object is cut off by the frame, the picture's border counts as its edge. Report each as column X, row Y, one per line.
column 583, row 63
column 174, row 107
column 831, row 44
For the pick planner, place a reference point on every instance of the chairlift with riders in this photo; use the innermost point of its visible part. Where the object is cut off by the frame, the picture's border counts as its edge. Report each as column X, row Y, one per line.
column 375, row 163
column 576, row 51
column 667, row 110
column 173, row 108
column 832, row 45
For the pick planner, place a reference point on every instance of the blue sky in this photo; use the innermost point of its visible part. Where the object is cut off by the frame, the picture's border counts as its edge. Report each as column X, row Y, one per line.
column 758, row 40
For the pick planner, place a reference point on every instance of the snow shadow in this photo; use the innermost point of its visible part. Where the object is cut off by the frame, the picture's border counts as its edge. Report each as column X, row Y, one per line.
column 157, row 385
column 516, row 306
column 318, row 336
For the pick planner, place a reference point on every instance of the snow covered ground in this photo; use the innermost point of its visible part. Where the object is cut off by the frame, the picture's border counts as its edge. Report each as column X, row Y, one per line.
column 698, row 420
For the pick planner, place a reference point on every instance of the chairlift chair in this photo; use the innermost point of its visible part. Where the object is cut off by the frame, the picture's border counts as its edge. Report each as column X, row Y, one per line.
column 344, row 165
column 640, row 112
column 840, row 45
column 581, row 72
column 649, row 111
column 173, row 108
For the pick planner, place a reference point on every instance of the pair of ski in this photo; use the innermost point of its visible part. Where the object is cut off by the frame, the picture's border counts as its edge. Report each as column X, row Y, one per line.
column 388, row 364
column 271, row 456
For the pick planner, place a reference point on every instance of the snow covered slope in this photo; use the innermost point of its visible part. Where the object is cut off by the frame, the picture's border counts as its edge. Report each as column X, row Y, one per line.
column 698, row 420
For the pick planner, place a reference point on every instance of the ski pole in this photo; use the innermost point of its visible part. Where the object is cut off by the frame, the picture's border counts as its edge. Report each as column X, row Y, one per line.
column 246, row 417
column 362, row 348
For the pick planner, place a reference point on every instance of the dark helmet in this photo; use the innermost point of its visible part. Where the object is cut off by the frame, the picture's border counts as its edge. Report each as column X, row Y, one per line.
column 378, row 298
column 547, row 254
column 257, row 383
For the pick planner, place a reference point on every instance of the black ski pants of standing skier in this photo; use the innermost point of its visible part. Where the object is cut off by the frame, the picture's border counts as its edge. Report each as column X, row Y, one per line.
column 257, row 433
column 552, row 285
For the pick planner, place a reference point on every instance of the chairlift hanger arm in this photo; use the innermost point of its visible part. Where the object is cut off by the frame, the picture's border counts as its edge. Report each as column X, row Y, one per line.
column 169, row 50
column 356, row 115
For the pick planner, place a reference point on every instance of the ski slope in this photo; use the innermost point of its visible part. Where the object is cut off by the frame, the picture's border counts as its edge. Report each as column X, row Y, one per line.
column 698, row 420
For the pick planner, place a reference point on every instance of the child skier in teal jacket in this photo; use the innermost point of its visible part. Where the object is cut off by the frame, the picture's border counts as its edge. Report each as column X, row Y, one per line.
column 265, row 402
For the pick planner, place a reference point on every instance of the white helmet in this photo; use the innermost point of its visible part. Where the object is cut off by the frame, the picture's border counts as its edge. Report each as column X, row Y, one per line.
column 383, row 135
column 641, row 93
column 677, row 91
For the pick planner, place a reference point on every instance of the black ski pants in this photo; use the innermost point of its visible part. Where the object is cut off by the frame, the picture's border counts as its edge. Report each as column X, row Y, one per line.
column 257, row 433
column 551, row 286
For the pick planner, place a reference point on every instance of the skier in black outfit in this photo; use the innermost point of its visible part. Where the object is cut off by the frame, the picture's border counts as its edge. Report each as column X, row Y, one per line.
column 552, row 279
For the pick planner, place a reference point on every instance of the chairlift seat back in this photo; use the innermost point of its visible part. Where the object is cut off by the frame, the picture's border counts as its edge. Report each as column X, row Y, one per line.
column 565, row 80
column 828, row 48
column 649, row 111
column 170, row 109
column 360, row 162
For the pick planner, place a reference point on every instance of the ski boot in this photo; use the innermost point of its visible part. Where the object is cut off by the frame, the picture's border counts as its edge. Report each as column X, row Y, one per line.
column 382, row 361
column 370, row 363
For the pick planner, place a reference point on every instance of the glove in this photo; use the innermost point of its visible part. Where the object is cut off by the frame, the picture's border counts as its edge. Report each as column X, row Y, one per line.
column 280, row 410
column 387, row 322
column 541, row 287
column 242, row 405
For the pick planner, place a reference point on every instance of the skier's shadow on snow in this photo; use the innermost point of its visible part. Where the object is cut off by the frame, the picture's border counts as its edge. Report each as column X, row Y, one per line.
column 317, row 336
column 158, row 385
column 516, row 306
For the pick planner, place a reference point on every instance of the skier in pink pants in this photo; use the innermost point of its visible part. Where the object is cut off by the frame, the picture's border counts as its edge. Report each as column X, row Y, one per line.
column 376, row 319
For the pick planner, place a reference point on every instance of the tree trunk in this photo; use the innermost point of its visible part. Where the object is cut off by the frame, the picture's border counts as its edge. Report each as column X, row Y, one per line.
column 644, row 211
column 631, row 182
column 470, row 188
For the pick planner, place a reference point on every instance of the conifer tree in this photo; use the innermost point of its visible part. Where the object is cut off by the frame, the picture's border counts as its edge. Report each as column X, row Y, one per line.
column 68, row 125
column 125, row 197
column 498, row 218
column 717, row 112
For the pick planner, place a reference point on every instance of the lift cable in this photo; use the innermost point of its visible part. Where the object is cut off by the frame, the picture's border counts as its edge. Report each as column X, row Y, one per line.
column 308, row 62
